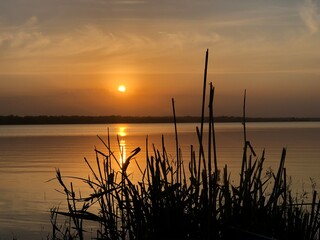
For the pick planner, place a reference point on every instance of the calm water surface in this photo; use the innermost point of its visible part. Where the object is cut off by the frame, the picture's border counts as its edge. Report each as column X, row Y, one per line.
column 29, row 156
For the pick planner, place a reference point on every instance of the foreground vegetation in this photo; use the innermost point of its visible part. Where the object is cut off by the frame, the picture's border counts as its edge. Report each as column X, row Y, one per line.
column 175, row 199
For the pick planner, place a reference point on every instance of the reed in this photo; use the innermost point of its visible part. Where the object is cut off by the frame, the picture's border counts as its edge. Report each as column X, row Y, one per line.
column 199, row 202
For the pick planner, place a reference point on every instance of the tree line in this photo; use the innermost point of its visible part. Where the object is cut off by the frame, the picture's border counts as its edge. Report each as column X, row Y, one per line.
column 45, row 119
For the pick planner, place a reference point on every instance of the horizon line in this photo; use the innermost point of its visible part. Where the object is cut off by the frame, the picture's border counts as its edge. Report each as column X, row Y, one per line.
column 87, row 119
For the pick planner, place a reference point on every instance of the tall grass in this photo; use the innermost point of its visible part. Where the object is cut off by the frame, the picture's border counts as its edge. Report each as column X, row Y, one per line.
column 191, row 200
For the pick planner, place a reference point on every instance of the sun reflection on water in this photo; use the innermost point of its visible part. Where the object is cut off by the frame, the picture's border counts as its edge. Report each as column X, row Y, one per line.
column 122, row 132
column 123, row 151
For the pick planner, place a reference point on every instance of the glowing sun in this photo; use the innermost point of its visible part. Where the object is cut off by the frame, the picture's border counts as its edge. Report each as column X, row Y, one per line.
column 122, row 88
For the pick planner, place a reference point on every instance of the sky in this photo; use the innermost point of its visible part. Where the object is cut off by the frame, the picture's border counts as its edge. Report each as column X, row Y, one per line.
column 68, row 57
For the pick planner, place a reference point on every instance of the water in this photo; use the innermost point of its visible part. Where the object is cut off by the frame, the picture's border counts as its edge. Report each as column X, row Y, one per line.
column 29, row 156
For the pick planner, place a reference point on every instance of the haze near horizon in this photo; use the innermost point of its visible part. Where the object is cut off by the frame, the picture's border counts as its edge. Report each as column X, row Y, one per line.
column 71, row 57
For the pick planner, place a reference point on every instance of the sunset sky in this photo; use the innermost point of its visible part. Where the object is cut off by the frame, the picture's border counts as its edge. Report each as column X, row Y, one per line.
column 68, row 57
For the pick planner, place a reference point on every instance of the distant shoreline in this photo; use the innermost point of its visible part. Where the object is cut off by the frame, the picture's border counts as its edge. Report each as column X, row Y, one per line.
column 33, row 120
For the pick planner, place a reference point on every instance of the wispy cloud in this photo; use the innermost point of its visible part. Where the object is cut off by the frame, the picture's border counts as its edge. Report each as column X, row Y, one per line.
column 20, row 40
column 310, row 15
column 91, row 46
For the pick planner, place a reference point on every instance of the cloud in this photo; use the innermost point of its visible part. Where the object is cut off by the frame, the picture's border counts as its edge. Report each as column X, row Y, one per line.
column 183, row 40
column 91, row 45
column 31, row 22
column 310, row 15
column 24, row 40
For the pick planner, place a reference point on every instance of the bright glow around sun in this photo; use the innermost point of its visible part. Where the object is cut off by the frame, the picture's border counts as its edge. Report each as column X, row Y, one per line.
column 121, row 88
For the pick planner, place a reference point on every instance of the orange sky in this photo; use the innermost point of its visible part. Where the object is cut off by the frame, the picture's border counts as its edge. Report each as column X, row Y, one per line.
column 68, row 57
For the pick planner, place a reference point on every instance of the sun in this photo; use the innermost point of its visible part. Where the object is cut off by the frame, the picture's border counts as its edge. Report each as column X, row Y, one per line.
column 122, row 88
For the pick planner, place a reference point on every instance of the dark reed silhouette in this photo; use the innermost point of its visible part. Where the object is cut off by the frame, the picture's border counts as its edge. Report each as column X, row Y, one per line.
column 175, row 199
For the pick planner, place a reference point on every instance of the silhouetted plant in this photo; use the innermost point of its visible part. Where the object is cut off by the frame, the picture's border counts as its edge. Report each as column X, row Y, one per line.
column 199, row 202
